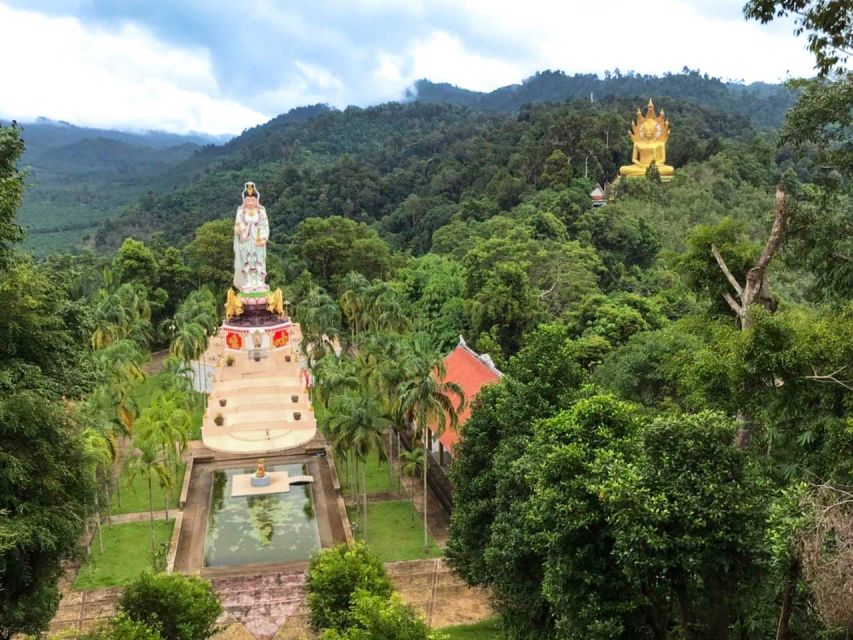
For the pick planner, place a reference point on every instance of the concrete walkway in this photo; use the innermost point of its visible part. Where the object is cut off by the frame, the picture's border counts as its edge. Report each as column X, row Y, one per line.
column 143, row 516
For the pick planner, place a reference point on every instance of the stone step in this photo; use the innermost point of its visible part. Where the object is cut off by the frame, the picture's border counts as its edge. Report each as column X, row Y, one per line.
column 222, row 387
column 278, row 416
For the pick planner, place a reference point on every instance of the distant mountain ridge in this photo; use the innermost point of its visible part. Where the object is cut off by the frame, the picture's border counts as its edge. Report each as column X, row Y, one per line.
column 45, row 132
column 76, row 176
column 763, row 103
column 81, row 176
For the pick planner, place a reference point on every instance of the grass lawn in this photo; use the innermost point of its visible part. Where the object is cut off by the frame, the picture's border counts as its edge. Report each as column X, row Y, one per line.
column 134, row 493
column 378, row 480
column 127, row 552
column 486, row 630
column 391, row 533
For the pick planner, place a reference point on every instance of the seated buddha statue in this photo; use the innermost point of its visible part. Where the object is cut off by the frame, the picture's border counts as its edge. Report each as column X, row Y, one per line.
column 649, row 134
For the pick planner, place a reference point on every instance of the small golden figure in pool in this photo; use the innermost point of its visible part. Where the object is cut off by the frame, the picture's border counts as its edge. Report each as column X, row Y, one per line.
column 261, row 470
column 649, row 133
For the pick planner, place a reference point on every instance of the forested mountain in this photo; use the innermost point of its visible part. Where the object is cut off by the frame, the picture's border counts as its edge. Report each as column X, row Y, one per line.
column 80, row 176
column 76, row 176
column 410, row 168
column 764, row 104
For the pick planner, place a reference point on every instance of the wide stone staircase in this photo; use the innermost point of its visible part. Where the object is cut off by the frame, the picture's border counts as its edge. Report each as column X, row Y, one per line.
column 263, row 602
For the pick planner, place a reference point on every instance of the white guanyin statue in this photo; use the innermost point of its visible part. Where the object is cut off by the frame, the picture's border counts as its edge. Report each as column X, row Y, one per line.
column 251, row 232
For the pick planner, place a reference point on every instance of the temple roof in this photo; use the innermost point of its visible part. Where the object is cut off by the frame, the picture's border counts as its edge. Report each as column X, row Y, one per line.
column 471, row 371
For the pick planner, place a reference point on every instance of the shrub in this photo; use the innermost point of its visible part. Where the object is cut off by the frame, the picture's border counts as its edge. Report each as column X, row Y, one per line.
column 334, row 576
column 180, row 607
column 122, row 628
column 379, row 617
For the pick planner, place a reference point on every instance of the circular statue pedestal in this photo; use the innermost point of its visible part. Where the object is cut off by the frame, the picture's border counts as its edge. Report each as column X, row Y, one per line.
column 263, row 481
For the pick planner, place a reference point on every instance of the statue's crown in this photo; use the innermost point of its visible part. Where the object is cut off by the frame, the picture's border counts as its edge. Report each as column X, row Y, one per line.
column 662, row 128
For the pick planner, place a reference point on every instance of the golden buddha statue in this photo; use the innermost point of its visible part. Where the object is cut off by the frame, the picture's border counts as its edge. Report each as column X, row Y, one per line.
column 649, row 134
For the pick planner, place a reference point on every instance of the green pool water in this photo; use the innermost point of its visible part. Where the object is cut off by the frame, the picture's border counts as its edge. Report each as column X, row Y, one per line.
column 274, row 528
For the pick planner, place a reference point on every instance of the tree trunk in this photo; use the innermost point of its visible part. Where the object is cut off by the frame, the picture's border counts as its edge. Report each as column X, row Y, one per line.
column 426, row 530
column 364, row 498
column 166, row 503
column 109, row 498
column 754, row 291
column 718, row 613
column 783, row 631
column 685, row 607
column 390, row 453
column 151, row 519
column 98, row 520
column 399, row 468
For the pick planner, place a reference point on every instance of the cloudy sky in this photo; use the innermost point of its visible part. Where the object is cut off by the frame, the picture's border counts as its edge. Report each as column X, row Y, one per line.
column 219, row 66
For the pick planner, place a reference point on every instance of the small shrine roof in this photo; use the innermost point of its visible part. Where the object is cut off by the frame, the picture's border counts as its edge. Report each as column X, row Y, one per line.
column 471, row 371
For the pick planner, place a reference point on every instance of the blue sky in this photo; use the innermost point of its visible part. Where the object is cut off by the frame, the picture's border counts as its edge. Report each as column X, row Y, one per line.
column 220, row 66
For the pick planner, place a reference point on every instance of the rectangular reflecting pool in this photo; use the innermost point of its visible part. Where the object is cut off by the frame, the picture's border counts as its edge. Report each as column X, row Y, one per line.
column 251, row 529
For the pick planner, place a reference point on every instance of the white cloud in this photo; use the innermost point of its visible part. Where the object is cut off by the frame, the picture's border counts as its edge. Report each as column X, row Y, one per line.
column 139, row 73
column 648, row 38
column 444, row 57
column 123, row 78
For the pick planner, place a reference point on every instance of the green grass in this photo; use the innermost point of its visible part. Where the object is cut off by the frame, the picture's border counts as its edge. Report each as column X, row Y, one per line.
column 392, row 534
column 134, row 493
column 485, row 630
column 377, row 477
column 127, row 552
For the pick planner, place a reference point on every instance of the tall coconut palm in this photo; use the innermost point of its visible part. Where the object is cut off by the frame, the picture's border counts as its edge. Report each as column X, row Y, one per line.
column 356, row 424
column 384, row 309
column 121, row 313
column 380, row 363
column 334, row 375
column 188, row 344
column 411, row 463
column 99, row 458
column 166, row 426
column 200, row 308
column 320, row 318
column 353, row 303
column 425, row 399
column 148, row 460
column 119, row 367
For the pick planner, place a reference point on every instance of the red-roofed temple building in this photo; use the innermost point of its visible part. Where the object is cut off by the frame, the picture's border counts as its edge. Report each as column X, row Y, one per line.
column 472, row 372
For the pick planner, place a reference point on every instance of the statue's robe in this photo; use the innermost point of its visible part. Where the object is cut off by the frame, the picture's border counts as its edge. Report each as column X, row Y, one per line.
column 250, row 260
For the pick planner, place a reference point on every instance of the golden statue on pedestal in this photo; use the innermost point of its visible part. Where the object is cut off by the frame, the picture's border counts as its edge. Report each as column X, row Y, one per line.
column 233, row 305
column 275, row 303
column 649, row 134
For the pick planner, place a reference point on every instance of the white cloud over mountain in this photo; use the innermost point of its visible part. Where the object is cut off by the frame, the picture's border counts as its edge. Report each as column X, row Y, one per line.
column 217, row 66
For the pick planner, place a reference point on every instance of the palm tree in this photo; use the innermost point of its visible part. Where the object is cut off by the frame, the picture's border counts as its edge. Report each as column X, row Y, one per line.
column 119, row 366
column 165, row 426
column 380, row 361
column 411, row 463
column 384, row 309
column 356, row 424
column 189, row 343
column 99, row 458
column 148, row 460
column 121, row 313
column 353, row 303
column 320, row 318
column 425, row 399
column 333, row 375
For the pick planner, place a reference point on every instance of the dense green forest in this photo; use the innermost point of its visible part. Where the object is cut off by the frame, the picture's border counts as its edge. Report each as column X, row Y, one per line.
column 669, row 452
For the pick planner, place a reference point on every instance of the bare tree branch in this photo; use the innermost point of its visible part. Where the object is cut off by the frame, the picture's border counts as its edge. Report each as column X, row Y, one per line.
column 733, row 303
column 732, row 281
column 830, row 377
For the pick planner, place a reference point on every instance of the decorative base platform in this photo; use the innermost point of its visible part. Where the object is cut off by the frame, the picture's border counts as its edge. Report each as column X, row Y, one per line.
column 279, row 482
column 243, row 485
column 263, row 481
